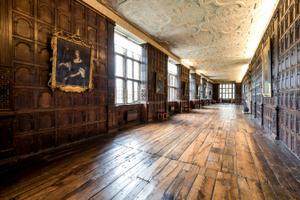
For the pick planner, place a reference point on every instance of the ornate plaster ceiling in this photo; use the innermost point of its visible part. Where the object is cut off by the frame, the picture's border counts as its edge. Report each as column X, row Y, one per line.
column 217, row 37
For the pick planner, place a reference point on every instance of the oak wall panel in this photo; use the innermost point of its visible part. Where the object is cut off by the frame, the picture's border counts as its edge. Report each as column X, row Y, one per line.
column 25, row 144
column 25, row 75
column 24, row 123
column 23, row 51
column 157, row 65
column 278, row 114
column 44, row 33
column 5, row 88
column 46, row 139
column 45, row 99
column 46, row 120
column 44, row 76
column 23, row 26
column 5, row 29
column 184, row 88
column 45, row 11
column 26, row 6
column 24, row 99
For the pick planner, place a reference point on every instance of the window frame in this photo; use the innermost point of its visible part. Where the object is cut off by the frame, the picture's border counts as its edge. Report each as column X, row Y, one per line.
column 175, row 86
column 125, row 78
column 192, row 87
column 227, row 91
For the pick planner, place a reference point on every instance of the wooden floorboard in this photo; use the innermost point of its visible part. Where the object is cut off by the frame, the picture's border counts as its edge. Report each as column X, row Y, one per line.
column 212, row 153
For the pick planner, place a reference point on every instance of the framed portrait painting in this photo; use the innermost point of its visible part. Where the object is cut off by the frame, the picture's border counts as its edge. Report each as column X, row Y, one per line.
column 159, row 83
column 266, row 70
column 72, row 64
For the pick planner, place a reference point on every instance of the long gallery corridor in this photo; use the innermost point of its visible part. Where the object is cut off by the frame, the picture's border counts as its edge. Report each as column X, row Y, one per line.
column 212, row 153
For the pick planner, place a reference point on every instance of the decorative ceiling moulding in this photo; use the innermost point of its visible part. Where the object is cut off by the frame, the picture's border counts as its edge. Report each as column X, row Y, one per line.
column 128, row 26
column 207, row 33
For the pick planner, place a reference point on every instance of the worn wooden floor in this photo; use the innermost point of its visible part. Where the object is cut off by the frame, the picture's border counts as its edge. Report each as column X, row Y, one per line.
column 212, row 153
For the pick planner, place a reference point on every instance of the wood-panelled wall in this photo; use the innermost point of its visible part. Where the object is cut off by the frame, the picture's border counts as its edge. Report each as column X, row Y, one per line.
column 157, row 63
column 44, row 119
column 238, row 93
column 184, row 87
column 195, row 101
column 215, row 96
column 279, row 115
column 33, row 118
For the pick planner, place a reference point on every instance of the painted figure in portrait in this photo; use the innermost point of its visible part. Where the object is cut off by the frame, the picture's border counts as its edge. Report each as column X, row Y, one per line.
column 72, row 64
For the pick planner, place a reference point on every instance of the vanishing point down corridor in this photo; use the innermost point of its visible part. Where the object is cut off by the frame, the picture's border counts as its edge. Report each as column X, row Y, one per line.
column 212, row 153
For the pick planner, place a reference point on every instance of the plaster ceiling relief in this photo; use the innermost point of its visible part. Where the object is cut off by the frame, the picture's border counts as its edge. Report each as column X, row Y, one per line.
column 217, row 37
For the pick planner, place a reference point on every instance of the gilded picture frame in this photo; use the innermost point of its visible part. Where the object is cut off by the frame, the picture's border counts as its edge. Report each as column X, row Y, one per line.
column 72, row 63
column 267, row 70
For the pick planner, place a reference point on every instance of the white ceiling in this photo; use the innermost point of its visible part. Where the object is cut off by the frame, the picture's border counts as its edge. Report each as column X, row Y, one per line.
column 217, row 37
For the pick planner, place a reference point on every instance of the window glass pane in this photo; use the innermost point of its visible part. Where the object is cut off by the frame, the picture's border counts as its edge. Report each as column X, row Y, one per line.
column 119, row 49
column 128, row 44
column 227, row 91
column 172, row 68
column 136, row 71
column 129, row 69
column 119, row 90
column 129, row 92
column 136, row 94
column 137, row 57
column 172, row 81
column 119, row 66
column 128, row 66
column 130, row 54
